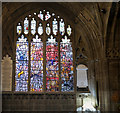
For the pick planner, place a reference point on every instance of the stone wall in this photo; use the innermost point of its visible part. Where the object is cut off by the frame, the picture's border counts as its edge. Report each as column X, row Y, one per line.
column 37, row 102
column 6, row 73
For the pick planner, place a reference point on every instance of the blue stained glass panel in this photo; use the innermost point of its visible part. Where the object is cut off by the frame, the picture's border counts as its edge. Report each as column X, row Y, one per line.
column 52, row 65
column 37, row 65
column 21, row 77
column 36, row 81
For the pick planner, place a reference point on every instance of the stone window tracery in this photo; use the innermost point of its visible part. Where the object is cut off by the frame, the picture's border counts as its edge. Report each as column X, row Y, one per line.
column 44, row 54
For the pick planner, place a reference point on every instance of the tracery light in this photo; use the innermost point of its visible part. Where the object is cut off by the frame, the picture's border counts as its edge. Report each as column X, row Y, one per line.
column 57, row 58
column 48, row 30
column 55, row 26
column 69, row 30
column 41, row 15
column 33, row 26
column 62, row 27
column 40, row 29
column 26, row 26
column 19, row 29
column 47, row 16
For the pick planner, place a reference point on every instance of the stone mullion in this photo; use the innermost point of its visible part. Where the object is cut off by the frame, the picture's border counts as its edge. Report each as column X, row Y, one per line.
column 14, row 60
column 29, row 60
column 44, row 57
column 74, row 66
column 59, row 36
column 59, row 58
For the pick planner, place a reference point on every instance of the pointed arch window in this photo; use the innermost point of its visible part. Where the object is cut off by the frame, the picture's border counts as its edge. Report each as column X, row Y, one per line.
column 44, row 54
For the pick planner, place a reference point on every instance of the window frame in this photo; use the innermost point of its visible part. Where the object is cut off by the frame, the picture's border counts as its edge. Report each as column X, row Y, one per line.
column 43, row 37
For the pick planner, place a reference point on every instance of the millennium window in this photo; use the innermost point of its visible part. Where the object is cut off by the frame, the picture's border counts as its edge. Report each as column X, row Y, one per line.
column 44, row 54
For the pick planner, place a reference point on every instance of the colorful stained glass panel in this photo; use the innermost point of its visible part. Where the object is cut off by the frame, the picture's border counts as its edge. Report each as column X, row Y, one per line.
column 36, row 81
column 21, row 77
column 52, row 80
column 52, row 73
column 36, row 77
column 52, row 65
column 66, row 65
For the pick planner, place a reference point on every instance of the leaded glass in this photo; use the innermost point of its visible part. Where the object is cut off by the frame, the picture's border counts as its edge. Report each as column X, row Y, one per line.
column 52, row 73
column 33, row 26
column 66, row 65
column 52, row 81
column 57, row 54
column 47, row 16
column 62, row 27
column 19, row 29
column 36, row 76
column 26, row 26
column 21, row 77
column 41, row 15
column 40, row 29
column 48, row 30
column 55, row 26
column 69, row 30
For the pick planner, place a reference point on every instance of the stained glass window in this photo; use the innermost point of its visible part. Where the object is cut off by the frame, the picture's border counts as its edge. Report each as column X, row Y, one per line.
column 26, row 26
column 48, row 30
column 33, row 26
column 40, row 29
column 41, row 15
column 69, row 30
column 52, row 70
column 66, row 64
column 19, row 29
column 62, row 27
column 55, row 26
column 36, row 76
column 47, row 16
column 21, row 77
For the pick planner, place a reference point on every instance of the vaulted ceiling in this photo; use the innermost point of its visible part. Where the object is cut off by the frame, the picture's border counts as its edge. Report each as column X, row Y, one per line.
column 90, row 19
